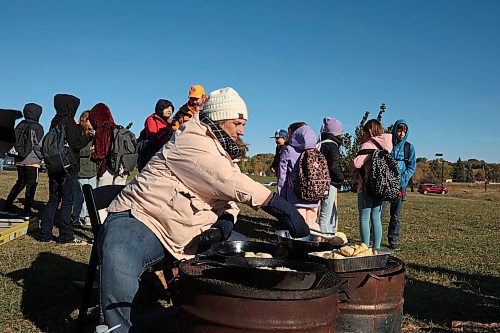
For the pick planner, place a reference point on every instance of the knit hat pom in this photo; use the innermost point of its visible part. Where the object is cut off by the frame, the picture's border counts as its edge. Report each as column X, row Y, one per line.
column 331, row 125
column 225, row 103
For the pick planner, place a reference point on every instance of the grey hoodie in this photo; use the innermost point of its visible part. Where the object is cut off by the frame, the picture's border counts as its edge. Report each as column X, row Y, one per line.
column 32, row 113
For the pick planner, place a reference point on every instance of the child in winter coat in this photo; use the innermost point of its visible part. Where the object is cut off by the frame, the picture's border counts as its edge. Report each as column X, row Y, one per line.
column 369, row 207
column 301, row 139
column 331, row 139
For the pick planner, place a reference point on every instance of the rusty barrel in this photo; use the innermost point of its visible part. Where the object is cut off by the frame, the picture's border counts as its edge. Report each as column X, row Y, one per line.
column 372, row 301
column 211, row 305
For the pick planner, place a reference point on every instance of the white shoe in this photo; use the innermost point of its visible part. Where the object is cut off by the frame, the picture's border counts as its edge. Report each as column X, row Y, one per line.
column 86, row 221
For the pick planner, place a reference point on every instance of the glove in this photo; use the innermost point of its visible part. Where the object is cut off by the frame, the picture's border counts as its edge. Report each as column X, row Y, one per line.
column 287, row 214
column 220, row 230
column 225, row 225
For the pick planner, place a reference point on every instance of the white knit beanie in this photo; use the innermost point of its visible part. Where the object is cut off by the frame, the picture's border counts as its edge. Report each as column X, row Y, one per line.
column 225, row 103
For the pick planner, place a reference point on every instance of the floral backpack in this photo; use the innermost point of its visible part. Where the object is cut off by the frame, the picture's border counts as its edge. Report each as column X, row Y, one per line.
column 313, row 180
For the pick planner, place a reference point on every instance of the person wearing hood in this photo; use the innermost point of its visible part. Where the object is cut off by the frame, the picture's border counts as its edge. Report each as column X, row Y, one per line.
column 331, row 140
column 301, row 137
column 403, row 152
column 155, row 123
column 102, row 122
column 369, row 207
column 29, row 134
column 62, row 187
column 153, row 136
column 185, row 190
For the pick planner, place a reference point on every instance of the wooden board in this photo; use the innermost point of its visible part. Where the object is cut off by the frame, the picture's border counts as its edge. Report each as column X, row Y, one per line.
column 11, row 229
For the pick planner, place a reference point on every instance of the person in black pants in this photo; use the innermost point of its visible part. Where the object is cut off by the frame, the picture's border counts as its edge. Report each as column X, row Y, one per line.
column 29, row 133
column 61, row 187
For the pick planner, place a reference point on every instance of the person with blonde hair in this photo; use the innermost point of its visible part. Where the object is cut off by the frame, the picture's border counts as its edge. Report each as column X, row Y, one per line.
column 369, row 207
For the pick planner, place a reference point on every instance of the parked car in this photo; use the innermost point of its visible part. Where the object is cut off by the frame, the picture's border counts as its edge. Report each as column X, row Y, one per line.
column 432, row 188
column 9, row 163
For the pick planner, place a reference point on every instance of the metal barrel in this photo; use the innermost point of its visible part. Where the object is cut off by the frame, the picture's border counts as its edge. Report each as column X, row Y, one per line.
column 207, row 312
column 210, row 301
column 372, row 301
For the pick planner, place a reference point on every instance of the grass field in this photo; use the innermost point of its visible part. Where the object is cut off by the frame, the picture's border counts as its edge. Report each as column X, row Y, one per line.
column 449, row 244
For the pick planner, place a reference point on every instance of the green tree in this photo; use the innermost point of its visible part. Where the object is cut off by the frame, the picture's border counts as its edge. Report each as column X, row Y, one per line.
column 469, row 175
column 458, row 171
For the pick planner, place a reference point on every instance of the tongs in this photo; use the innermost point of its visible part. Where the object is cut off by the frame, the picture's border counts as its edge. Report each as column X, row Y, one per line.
column 325, row 235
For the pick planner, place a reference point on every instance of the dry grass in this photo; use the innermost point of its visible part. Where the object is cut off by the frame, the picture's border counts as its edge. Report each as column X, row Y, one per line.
column 449, row 245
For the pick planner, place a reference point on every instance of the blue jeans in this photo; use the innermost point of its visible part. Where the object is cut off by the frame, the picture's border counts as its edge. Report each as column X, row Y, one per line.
column 395, row 220
column 328, row 212
column 60, row 189
column 126, row 247
column 79, row 206
column 370, row 210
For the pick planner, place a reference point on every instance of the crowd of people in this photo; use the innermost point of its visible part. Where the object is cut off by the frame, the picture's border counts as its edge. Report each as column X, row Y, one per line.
column 321, row 214
column 189, row 183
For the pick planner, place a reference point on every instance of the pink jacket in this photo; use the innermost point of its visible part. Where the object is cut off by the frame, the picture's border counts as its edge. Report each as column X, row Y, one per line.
column 185, row 187
column 364, row 161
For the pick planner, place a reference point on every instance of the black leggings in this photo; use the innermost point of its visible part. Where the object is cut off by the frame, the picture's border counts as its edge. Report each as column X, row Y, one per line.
column 27, row 176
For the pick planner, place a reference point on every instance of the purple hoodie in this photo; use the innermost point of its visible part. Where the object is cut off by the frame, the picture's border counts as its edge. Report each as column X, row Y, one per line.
column 303, row 138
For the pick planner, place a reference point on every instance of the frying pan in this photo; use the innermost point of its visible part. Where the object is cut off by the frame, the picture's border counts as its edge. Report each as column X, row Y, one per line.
column 303, row 275
column 238, row 248
column 299, row 248
column 246, row 271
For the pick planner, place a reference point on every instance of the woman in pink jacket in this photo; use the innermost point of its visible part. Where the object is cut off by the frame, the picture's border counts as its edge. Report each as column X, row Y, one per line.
column 189, row 186
column 369, row 207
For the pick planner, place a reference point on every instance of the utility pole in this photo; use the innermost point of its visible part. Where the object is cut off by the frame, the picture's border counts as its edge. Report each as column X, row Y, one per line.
column 442, row 167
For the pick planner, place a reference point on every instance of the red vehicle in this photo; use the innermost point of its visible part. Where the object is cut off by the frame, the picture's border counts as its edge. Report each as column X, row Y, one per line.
column 432, row 188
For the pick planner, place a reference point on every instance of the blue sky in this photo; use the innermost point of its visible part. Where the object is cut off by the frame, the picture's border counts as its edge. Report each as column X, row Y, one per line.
column 434, row 63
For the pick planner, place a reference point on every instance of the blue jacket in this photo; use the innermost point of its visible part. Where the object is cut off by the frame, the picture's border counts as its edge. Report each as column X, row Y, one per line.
column 398, row 153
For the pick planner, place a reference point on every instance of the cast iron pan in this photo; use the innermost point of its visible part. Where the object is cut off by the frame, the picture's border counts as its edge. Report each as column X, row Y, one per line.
column 238, row 248
column 303, row 276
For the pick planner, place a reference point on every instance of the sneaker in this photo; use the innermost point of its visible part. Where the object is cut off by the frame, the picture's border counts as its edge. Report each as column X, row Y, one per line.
column 7, row 213
column 86, row 221
column 41, row 239
column 77, row 223
column 394, row 247
column 73, row 241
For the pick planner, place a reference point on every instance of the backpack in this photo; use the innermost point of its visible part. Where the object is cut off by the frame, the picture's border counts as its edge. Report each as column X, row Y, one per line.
column 383, row 180
column 58, row 157
column 147, row 146
column 313, row 180
column 24, row 144
column 122, row 155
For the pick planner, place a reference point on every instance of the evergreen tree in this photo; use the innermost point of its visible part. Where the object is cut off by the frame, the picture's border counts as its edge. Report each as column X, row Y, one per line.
column 458, row 171
column 469, row 175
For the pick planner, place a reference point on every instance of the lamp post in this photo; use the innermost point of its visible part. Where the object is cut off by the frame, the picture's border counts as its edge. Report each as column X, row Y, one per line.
column 442, row 167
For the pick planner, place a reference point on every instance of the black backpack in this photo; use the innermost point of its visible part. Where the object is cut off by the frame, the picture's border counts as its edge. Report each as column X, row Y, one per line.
column 58, row 157
column 382, row 181
column 122, row 156
column 24, row 143
column 147, row 146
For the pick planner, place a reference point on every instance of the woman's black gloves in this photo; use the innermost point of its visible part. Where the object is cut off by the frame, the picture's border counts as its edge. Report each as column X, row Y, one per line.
column 220, row 230
column 225, row 225
column 287, row 214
